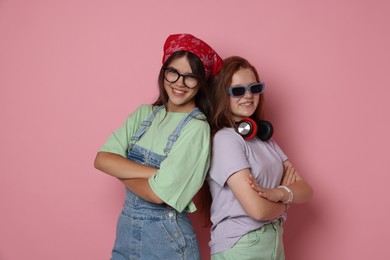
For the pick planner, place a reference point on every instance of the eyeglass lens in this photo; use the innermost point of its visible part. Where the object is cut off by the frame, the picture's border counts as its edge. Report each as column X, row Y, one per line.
column 237, row 91
column 172, row 75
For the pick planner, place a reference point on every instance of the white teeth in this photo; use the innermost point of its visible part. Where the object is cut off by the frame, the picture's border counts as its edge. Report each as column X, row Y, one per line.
column 178, row 91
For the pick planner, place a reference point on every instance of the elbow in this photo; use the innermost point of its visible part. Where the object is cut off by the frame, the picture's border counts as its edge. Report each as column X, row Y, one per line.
column 266, row 213
column 157, row 200
column 153, row 198
column 259, row 216
column 98, row 162
column 308, row 194
column 304, row 193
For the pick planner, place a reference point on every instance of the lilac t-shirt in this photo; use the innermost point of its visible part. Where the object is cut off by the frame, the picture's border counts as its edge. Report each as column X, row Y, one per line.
column 231, row 153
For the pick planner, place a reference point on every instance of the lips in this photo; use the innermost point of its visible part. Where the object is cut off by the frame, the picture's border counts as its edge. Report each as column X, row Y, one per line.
column 246, row 103
column 178, row 91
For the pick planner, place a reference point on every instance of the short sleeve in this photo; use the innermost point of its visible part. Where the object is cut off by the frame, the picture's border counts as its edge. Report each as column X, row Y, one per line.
column 183, row 172
column 278, row 150
column 228, row 156
column 118, row 141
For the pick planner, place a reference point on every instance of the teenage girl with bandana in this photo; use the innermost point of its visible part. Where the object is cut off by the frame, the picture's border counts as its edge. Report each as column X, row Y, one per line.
column 162, row 153
column 247, row 223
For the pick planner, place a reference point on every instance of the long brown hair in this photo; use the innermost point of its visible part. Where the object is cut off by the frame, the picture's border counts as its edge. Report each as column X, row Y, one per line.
column 202, row 199
column 202, row 97
column 222, row 113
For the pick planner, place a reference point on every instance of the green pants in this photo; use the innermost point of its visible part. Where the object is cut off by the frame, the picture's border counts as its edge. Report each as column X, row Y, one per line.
column 263, row 243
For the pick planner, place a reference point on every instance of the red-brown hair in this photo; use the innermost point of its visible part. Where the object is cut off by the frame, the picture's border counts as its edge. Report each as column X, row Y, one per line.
column 222, row 113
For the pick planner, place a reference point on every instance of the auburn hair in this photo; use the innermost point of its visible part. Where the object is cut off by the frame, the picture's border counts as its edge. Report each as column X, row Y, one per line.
column 222, row 112
column 221, row 116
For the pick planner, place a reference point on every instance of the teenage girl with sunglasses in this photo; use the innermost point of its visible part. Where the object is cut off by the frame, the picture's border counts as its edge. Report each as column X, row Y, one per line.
column 162, row 153
column 251, row 180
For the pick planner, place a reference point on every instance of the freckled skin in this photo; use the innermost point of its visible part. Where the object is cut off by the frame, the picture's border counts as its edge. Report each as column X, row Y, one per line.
column 246, row 105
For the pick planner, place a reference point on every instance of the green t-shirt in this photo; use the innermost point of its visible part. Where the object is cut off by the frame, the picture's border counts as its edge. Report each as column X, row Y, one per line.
column 183, row 172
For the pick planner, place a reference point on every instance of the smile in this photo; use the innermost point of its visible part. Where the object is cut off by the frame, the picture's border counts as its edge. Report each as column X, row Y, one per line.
column 177, row 91
column 246, row 104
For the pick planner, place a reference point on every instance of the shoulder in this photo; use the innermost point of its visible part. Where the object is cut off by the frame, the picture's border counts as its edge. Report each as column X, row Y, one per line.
column 135, row 118
column 199, row 123
column 227, row 140
column 273, row 143
column 141, row 112
column 277, row 149
column 228, row 134
column 145, row 109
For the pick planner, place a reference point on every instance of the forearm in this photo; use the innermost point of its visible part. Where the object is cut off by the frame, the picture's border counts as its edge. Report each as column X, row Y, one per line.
column 141, row 188
column 120, row 167
column 301, row 190
column 268, row 210
column 256, row 207
column 299, row 187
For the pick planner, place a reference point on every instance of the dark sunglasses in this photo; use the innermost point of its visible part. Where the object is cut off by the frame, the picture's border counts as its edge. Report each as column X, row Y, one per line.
column 239, row 91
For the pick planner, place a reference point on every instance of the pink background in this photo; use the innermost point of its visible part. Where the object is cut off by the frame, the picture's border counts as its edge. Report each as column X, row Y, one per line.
column 71, row 71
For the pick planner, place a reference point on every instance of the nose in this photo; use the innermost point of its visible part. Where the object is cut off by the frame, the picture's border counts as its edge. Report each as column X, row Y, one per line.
column 180, row 81
column 248, row 94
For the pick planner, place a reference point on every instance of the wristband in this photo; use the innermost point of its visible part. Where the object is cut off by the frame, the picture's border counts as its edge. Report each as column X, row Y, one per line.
column 290, row 194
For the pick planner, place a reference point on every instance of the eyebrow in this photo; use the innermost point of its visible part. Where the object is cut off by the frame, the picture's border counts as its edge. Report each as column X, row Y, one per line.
column 186, row 74
column 240, row 85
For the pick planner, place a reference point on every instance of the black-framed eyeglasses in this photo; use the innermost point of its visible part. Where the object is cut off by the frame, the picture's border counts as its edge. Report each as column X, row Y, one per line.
column 239, row 91
column 172, row 75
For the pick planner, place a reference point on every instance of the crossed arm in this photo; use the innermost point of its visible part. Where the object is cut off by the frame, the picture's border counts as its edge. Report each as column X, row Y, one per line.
column 299, row 187
column 133, row 175
column 269, row 205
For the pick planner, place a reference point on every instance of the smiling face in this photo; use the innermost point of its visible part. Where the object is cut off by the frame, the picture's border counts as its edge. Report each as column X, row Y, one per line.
column 181, row 98
column 246, row 105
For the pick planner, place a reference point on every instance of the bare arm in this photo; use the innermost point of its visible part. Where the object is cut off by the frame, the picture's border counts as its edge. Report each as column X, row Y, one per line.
column 141, row 188
column 133, row 175
column 120, row 167
column 299, row 187
column 257, row 207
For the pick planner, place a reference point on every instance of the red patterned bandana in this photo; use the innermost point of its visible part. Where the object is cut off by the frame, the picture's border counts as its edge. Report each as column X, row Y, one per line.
column 186, row 42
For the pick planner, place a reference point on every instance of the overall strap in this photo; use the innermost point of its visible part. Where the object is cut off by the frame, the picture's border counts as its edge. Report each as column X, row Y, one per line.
column 144, row 127
column 175, row 135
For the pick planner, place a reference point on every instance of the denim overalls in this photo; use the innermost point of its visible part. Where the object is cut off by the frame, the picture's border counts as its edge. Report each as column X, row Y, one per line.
column 153, row 231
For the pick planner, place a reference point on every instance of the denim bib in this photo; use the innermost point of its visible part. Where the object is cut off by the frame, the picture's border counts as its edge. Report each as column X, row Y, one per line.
column 154, row 231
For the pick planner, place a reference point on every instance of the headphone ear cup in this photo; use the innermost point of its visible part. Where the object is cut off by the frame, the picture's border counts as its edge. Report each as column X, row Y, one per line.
column 265, row 130
column 247, row 128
